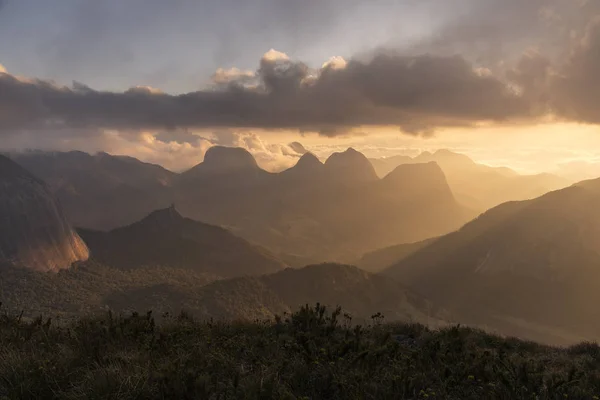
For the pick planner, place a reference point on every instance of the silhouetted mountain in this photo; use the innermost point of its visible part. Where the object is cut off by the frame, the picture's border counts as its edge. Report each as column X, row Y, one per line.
column 220, row 160
column 336, row 213
column 418, row 178
column 531, row 265
column 385, row 165
column 350, row 165
column 34, row 233
column 100, row 191
column 165, row 238
column 313, row 211
column 308, row 167
column 475, row 185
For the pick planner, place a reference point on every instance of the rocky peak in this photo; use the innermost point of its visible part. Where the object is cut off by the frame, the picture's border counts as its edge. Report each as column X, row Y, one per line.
column 425, row 177
column 308, row 166
column 228, row 159
column 163, row 217
column 34, row 232
column 351, row 164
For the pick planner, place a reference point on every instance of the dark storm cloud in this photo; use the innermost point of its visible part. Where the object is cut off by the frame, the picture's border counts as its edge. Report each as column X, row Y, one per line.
column 417, row 93
column 497, row 32
column 498, row 61
column 577, row 87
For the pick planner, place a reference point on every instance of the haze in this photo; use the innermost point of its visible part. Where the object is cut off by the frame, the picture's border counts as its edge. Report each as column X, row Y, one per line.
column 331, row 199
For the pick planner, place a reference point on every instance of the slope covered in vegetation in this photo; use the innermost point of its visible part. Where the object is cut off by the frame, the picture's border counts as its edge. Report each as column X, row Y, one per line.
column 310, row 354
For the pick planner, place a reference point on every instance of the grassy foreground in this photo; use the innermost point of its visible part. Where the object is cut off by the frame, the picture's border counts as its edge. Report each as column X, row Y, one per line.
column 311, row 354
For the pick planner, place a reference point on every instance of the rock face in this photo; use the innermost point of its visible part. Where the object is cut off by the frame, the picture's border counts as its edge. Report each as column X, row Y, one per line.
column 100, row 191
column 34, row 232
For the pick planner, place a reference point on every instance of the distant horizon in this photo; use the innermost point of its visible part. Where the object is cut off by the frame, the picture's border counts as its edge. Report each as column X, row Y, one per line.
column 507, row 82
column 585, row 172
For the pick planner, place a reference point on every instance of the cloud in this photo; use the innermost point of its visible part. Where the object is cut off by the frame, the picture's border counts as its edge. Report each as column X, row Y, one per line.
column 500, row 62
column 417, row 93
column 2, row 69
column 298, row 148
column 272, row 157
column 577, row 86
column 226, row 76
column 150, row 147
column 175, row 150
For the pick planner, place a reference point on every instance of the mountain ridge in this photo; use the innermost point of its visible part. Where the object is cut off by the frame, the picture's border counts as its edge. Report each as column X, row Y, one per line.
column 166, row 238
column 304, row 213
column 535, row 260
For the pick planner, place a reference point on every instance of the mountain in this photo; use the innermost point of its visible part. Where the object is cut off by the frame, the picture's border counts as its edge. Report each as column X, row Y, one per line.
column 224, row 161
column 385, row 165
column 34, row 232
column 479, row 186
column 314, row 211
column 529, row 266
column 412, row 203
column 308, row 167
column 100, row 191
column 334, row 211
column 165, row 238
column 350, row 165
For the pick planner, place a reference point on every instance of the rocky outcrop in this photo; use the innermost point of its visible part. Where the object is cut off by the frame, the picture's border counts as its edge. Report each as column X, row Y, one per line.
column 34, row 233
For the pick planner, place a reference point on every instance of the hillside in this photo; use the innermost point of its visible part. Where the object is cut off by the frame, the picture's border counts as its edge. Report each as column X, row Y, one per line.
column 92, row 287
column 311, row 354
column 165, row 238
column 379, row 260
column 360, row 293
column 100, row 191
column 534, row 261
column 34, row 233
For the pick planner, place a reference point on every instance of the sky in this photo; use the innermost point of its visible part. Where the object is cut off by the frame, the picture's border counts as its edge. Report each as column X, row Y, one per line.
column 508, row 82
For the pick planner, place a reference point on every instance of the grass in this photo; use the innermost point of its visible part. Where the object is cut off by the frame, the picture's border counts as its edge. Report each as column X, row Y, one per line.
column 310, row 354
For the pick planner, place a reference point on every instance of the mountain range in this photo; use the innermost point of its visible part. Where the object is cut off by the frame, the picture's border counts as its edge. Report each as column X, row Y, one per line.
column 165, row 238
column 526, row 268
column 331, row 211
column 312, row 212
column 478, row 186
